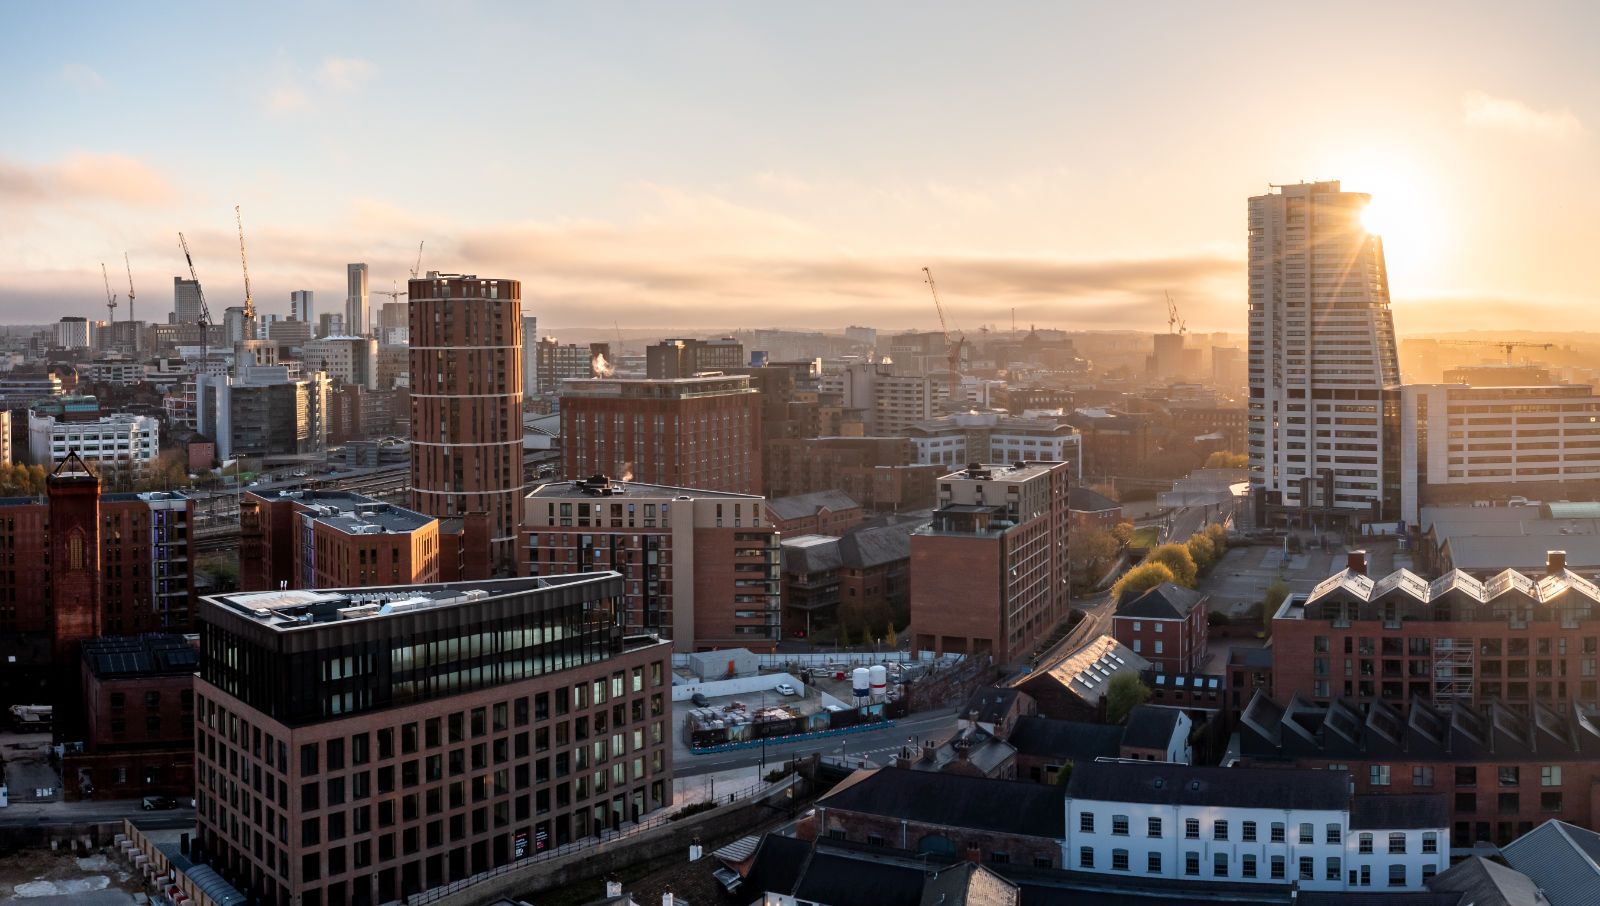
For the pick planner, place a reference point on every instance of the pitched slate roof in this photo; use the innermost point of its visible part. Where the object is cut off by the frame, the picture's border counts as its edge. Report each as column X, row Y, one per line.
column 778, row 864
column 989, row 705
column 968, row 884
column 1399, row 811
column 869, row 547
column 1486, row 883
column 953, row 800
column 800, row 506
column 1085, row 500
column 807, row 554
column 1562, row 859
column 1166, row 601
column 840, row 880
column 1165, row 783
column 1150, row 727
column 1068, row 740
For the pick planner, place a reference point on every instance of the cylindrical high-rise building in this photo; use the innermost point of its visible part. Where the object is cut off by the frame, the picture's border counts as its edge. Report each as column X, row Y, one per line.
column 466, row 403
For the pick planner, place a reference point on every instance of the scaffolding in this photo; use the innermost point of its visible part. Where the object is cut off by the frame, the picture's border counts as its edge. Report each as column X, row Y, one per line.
column 1453, row 671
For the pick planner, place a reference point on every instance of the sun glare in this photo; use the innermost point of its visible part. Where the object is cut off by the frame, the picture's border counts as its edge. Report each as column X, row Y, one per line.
column 1375, row 218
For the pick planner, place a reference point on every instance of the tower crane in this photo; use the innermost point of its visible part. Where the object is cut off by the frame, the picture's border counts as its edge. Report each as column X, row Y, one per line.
column 953, row 349
column 111, row 299
column 395, row 295
column 1507, row 345
column 205, row 312
column 1175, row 324
column 130, row 298
column 418, row 269
column 249, row 303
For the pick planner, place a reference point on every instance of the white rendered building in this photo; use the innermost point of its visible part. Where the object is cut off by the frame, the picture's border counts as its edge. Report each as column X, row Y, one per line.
column 996, row 437
column 1144, row 819
column 1322, row 350
column 120, row 441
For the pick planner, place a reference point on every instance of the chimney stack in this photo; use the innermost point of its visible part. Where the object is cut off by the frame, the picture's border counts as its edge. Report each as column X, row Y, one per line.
column 613, row 888
column 1357, row 562
column 666, row 897
column 1555, row 562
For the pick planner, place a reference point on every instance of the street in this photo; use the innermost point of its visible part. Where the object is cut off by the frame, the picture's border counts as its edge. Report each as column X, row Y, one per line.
column 869, row 744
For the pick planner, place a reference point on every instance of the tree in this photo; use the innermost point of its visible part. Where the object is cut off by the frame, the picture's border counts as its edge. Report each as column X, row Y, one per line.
column 166, row 473
column 1123, row 532
column 1276, row 592
column 1176, row 558
column 1064, row 773
column 1125, row 693
column 1091, row 551
column 892, row 637
column 1218, row 533
column 866, row 636
column 1143, row 577
column 18, row 480
column 1201, row 549
column 1222, row 459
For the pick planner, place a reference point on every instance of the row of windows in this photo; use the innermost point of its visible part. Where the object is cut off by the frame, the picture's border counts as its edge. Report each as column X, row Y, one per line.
column 1221, row 866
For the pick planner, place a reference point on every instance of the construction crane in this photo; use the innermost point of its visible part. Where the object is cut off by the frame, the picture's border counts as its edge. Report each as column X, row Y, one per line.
column 1175, row 324
column 111, row 299
column 395, row 295
column 249, row 303
column 205, row 312
column 1507, row 345
column 130, row 297
column 953, row 349
column 418, row 269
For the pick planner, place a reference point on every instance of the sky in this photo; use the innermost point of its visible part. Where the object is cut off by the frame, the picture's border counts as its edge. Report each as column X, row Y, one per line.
column 746, row 165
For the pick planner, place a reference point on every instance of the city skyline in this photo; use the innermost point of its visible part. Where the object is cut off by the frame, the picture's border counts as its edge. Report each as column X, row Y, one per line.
column 762, row 168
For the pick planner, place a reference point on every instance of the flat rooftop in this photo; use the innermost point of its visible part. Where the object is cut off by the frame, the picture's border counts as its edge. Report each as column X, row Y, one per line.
column 351, row 513
column 1003, row 471
column 286, row 609
column 658, row 388
column 602, row 488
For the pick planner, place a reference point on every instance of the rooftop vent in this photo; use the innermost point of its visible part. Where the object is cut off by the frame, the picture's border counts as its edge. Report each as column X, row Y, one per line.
column 597, row 485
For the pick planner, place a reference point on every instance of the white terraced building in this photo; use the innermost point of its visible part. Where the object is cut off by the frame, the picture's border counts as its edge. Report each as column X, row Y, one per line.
column 1322, row 351
column 1142, row 819
column 122, row 441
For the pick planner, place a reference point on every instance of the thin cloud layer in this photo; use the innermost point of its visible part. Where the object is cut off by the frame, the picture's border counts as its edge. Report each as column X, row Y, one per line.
column 1479, row 108
column 81, row 76
column 84, row 177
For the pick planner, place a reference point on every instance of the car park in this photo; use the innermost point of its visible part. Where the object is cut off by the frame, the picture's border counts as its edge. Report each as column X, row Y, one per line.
column 785, row 689
column 699, row 700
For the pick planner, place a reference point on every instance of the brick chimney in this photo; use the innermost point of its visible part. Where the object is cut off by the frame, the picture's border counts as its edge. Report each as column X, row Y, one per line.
column 1356, row 562
column 1555, row 562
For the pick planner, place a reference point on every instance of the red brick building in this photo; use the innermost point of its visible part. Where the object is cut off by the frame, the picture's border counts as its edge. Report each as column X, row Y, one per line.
column 697, row 432
column 139, row 708
column 1166, row 625
column 830, row 512
column 335, row 539
column 1517, row 639
column 867, row 569
column 989, row 574
column 1093, row 511
column 880, row 473
column 702, row 567
column 466, row 403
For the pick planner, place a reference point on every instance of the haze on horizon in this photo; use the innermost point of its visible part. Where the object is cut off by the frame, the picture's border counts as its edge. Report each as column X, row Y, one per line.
column 761, row 165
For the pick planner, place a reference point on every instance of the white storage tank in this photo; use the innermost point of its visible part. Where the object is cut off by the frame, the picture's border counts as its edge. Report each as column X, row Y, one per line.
column 860, row 682
column 880, row 679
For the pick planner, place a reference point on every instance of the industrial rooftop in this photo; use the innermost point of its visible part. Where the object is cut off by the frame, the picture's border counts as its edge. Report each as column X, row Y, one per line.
column 286, row 609
column 600, row 487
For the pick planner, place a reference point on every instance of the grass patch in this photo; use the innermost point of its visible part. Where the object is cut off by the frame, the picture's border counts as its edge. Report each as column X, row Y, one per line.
column 1145, row 537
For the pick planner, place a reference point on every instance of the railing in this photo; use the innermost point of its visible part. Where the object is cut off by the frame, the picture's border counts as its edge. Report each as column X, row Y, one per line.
column 601, row 841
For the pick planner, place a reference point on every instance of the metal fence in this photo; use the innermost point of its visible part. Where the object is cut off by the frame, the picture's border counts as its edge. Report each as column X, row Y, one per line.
column 602, row 841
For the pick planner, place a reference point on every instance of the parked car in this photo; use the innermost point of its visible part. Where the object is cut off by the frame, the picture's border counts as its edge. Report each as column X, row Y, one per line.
column 785, row 689
column 699, row 700
column 158, row 803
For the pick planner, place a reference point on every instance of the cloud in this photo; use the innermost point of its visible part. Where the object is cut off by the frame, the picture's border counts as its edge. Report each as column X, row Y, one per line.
column 345, row 73
column 287, row 99
column 84, row 177
column 1481, row 109
column 80, row 76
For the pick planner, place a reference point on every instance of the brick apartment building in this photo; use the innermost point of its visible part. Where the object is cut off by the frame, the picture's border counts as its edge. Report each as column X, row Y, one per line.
column 1504, row 772
column 694, row 432
column 1166, row 625
column 77, row 564
column 868, row 569
column 702, row 567
column 681, row 358
column 357, row 747
column 138, row 709
column 1517, row 639
column 466, row 403
column 334, row 539
column 881, row 473
column 830, row 512
column 989, row 573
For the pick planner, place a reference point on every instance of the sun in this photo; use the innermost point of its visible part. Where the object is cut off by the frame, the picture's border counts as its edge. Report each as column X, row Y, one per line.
column 1376, row 217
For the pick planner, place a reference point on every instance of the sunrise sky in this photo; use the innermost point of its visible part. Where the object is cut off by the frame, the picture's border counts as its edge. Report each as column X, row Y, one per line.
column 758, row 164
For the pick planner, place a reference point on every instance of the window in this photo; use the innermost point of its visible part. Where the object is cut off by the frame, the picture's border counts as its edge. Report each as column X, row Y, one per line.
column 1152, row 863
column 1397, row 875
column 1510, row 776
column 1000, row 858
column 1308, row 833
column 1191, row 864
column 1466, row 776
column 1308, row 868
column 1550, row 802
column 1277, row 868
column 1277, row 832
column 1333, row 869
column 1219, row 865
column 1119, row 825
column 1379, row 775
column 1153, row 827
column 1397, row 842
column 1422, row 775
column 1191, row 828
column 1119, row 860
column 1364, row 843
column 1086, row 822
column 1550, row 775
column 1334, row 833
column 1247, row 866
column 874, row 839
column 1085, row 857
column 1430, row 842
column 1366, row 876
column 1247, row 832
column 1219, row 830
